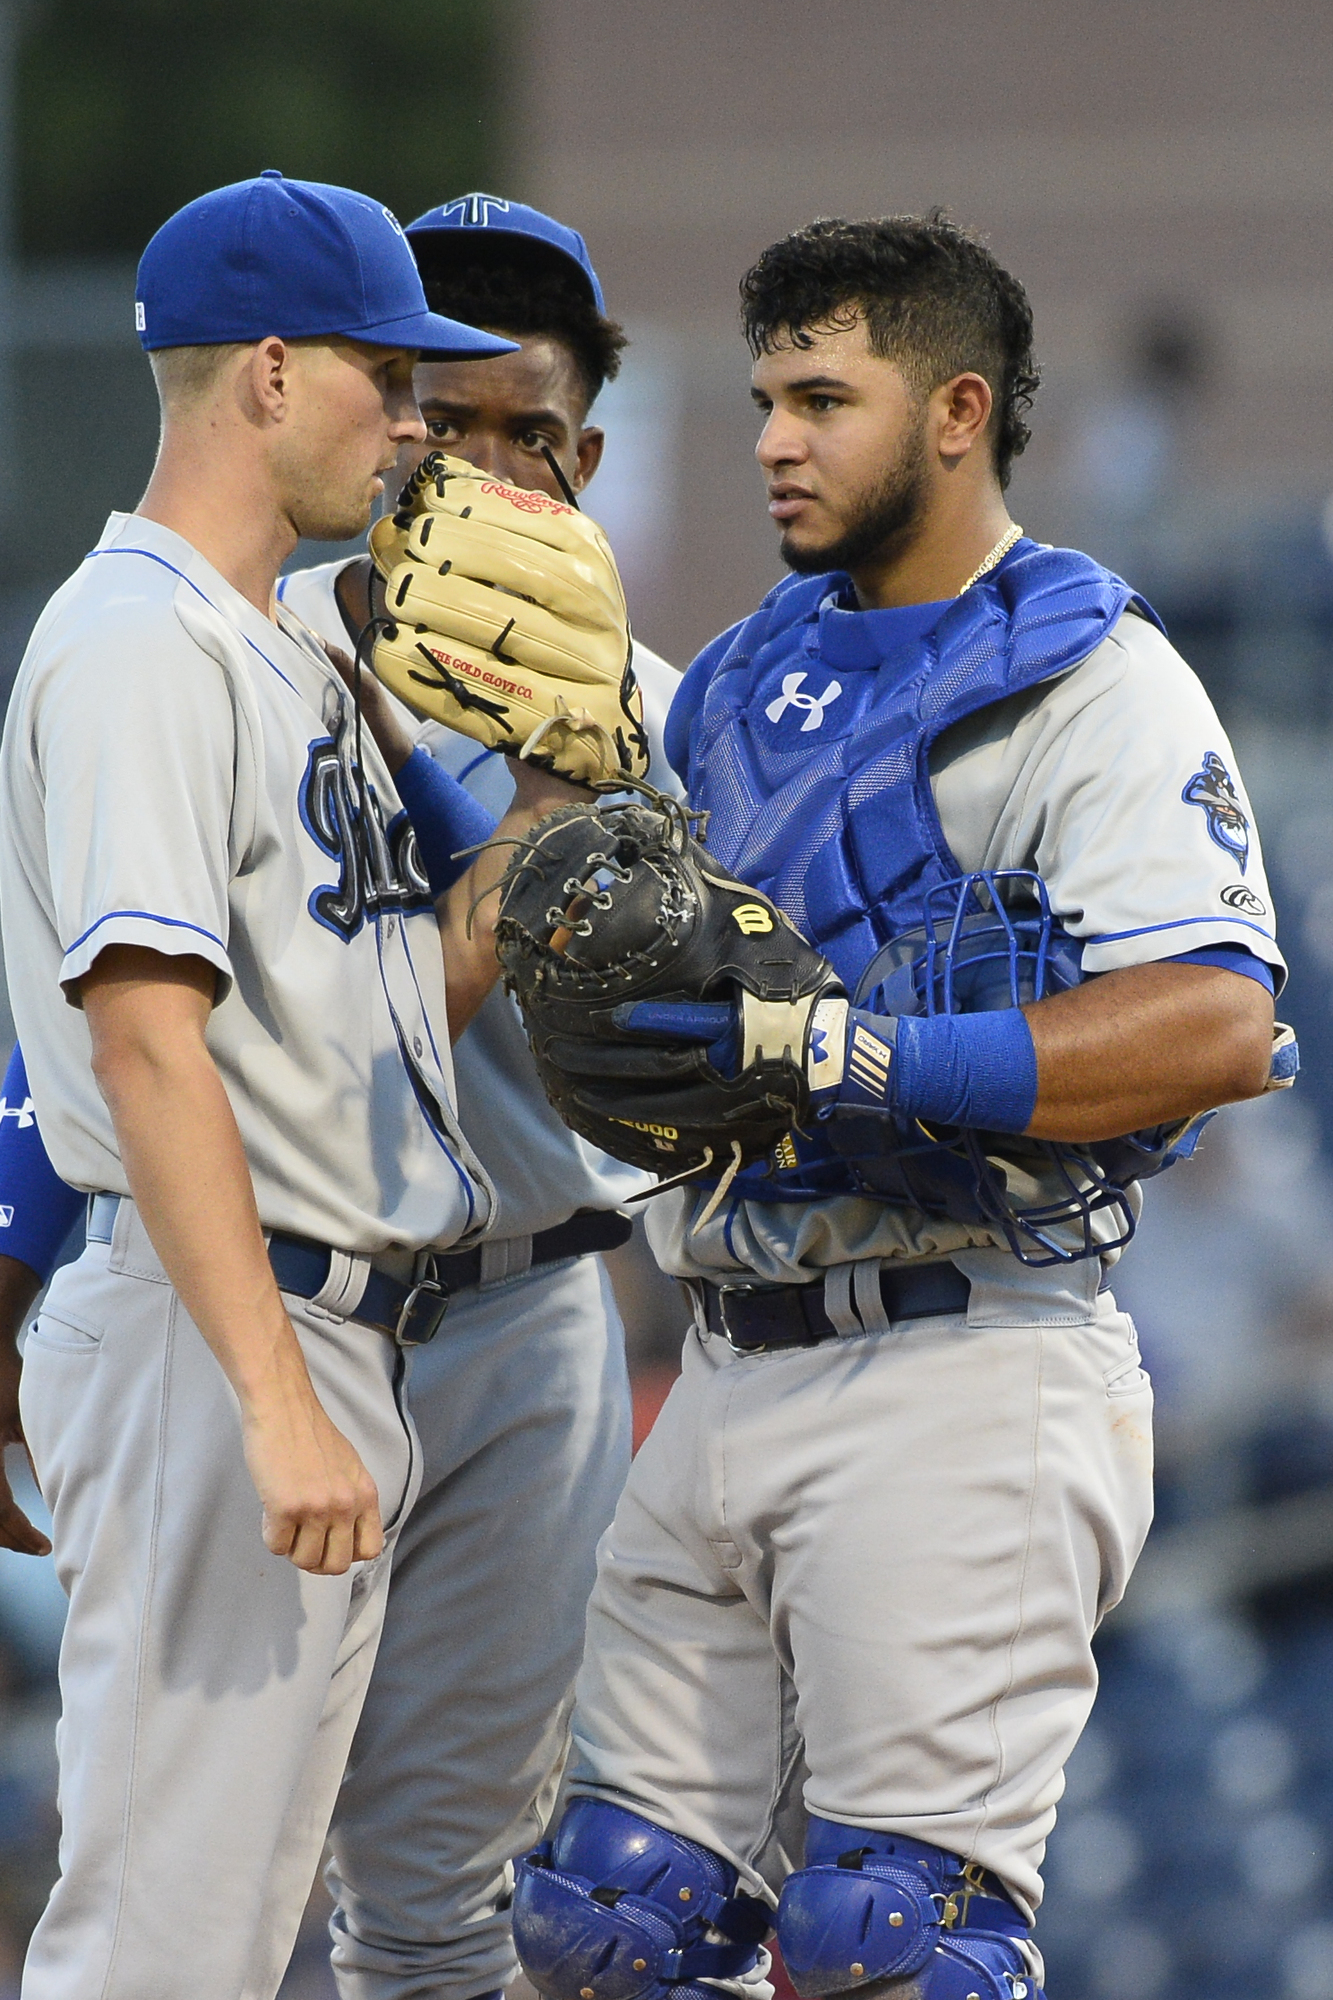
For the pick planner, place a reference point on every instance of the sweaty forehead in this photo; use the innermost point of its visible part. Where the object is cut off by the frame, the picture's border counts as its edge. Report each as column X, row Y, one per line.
column 841, row 352
column 541, row 375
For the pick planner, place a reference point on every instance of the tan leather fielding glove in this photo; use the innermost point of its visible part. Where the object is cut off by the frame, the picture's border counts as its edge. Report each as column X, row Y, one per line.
column 509, row 622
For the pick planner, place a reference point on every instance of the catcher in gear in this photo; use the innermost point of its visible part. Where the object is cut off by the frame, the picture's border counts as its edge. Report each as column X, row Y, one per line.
column 508, row 622
column 839, row 1646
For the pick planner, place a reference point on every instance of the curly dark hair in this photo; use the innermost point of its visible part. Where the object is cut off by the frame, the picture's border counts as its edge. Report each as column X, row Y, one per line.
column 933, row 298
column 520, row 289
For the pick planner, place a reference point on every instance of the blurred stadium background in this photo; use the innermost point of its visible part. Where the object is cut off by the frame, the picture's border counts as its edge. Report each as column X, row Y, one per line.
column 1160, row 173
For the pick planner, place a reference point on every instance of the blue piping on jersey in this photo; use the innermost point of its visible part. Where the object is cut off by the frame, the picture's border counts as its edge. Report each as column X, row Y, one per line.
column 468, row 769
column 207, row 600
column 425, row 1010
column 464, row 1179
column 1177, row 923
column 151, row 917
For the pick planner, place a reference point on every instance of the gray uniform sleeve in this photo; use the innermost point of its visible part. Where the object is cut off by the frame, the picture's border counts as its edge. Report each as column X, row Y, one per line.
column 1118, row 785
column 136, row 747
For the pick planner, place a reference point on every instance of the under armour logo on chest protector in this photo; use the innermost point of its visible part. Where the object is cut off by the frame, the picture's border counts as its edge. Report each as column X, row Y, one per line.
column 792, row 697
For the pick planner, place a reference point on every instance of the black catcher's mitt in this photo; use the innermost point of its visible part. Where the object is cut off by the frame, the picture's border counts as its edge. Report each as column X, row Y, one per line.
column 611, row 908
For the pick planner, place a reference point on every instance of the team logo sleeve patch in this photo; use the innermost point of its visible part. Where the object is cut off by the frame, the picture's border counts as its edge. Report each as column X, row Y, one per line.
column 1213, row 790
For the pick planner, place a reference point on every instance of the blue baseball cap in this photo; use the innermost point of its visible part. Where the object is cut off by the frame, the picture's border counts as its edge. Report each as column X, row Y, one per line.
column 294, row 258
column 496, row 217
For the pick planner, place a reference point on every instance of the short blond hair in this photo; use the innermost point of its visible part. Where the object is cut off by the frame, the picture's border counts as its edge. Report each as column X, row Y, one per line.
column 184, row 375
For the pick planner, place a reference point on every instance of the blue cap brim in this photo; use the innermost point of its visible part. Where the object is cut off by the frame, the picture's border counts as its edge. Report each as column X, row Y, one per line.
column 436, row 338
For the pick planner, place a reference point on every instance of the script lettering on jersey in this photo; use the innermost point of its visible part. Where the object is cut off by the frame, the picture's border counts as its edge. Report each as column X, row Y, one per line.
column 813, row 705
column 379, row 869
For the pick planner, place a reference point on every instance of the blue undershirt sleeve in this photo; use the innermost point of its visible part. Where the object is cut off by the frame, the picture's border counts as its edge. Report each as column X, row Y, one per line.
column 1231, row 958
column 37, row 1208
column 445, row 819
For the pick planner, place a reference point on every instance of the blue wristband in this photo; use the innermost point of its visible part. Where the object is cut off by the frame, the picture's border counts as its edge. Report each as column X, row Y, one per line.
column 974, row 1070
column 444, row 817
column 37, row 1208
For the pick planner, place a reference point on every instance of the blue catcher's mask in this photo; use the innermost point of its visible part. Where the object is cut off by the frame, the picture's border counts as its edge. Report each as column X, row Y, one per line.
column 989, row 941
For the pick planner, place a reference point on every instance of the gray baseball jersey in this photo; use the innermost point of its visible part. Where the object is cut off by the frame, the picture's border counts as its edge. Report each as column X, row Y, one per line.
column 177, row 773
column 1084, row 780
column 542, row 1172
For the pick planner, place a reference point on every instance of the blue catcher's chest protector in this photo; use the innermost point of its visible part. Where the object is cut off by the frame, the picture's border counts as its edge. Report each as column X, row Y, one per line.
column 811, row 753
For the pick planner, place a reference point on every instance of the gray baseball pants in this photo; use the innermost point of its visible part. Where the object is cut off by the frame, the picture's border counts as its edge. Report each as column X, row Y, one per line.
column 862, row 1579
column 522, row 1405
column 209, row 1689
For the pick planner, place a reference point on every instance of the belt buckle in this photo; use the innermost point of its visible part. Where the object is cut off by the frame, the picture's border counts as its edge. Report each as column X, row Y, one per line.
column 427, row 1284
column 724, row 1292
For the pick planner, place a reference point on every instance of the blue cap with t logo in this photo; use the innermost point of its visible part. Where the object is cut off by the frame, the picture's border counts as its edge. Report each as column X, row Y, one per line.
column 298, row 259
column 494, row 217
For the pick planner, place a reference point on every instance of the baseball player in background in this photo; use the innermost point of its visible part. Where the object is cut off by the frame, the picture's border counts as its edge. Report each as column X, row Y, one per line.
column 227, row 973
column 839, row 1647
column 521, row 1402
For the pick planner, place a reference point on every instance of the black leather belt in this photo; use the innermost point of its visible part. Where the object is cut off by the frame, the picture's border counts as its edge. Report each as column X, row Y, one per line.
column 410, row 1312
column 753, row 1318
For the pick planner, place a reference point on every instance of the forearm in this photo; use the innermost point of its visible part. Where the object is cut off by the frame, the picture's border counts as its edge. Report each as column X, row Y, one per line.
column 467, row 913
column 1141, row 1047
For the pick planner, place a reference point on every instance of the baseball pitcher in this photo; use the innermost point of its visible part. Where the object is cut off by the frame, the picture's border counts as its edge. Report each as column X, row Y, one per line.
column 227, row 972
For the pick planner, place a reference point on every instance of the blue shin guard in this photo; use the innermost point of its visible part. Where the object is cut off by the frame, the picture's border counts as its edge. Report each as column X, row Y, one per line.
column 615, row 1908
column 874, row 1906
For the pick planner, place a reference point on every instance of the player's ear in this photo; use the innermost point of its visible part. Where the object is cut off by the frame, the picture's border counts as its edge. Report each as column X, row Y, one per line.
column 962, row 410
column 592, row 442
column 268, row 379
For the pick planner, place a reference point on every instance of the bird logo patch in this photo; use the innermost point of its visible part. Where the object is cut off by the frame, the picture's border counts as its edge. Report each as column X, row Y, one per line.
column 1213, row 790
